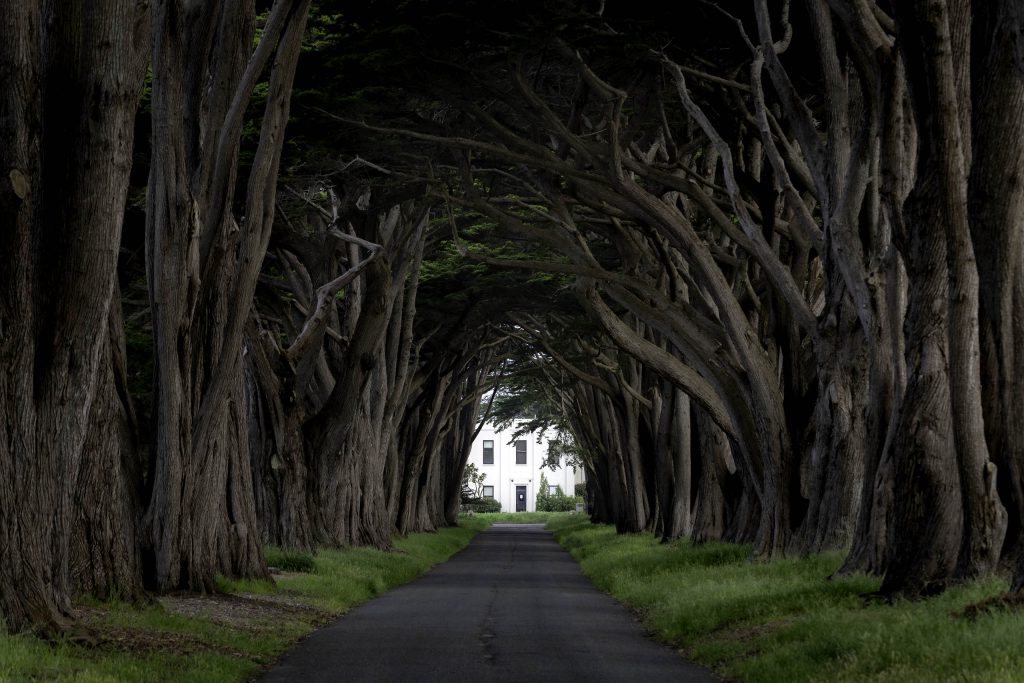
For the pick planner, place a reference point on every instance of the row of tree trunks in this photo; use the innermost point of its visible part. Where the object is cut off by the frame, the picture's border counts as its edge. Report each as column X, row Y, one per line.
column 833, row 264
column 251, row 442
column 355, row 435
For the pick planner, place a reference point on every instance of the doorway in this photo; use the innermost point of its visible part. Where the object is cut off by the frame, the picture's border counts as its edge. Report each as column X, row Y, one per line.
column 520, row 499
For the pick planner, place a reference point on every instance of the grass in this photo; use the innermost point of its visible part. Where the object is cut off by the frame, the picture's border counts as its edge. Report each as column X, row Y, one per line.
column 157, row 643
column 523, row 517
column 784, row 621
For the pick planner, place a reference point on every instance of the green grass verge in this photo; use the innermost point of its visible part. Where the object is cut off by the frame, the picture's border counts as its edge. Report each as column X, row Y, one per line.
column 153, row 644
column 523, row 517
column 784, row 621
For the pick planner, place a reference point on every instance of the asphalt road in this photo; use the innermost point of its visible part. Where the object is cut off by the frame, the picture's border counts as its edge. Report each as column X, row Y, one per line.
column 512, row 606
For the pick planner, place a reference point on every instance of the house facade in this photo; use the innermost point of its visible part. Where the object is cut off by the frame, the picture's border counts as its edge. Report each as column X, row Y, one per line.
column 512, row 469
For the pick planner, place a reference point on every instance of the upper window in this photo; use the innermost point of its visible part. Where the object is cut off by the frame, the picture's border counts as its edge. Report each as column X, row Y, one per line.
column 488, row 492
column 488, row 452
column 521, row 452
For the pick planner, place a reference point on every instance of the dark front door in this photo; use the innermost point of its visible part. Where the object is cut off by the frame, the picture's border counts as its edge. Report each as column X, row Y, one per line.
column 520, row 499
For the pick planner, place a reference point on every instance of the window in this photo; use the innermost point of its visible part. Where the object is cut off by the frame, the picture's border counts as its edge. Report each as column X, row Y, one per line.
column 488, row 492
column 552, row 490
column 488, row 452
column 521, row 452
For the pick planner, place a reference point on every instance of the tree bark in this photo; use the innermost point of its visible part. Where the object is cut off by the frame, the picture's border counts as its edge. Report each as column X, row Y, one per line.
column 202, row 267
column 106, row 559
column 996, row 203
column 949, row 521
column 62, row 193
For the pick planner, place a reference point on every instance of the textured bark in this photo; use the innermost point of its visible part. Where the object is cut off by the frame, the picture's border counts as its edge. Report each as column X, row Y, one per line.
column 717, row 486
column 350, row 441
column 275, row 417
column 833, row 472
column 949, row 521
column 996, row 202
column 106, row 559
column 202, row 266
column 62, row 193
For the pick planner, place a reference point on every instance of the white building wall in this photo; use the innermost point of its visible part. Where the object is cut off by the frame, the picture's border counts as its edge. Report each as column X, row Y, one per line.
column 505, row 475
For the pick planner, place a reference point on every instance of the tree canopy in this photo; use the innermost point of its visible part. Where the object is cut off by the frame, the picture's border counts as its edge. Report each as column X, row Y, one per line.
column 265, row 272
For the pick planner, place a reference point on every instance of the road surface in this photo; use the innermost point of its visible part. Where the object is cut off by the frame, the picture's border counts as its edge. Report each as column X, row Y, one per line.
column 512, row 606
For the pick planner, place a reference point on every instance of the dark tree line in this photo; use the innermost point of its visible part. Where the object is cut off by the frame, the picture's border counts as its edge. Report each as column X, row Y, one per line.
column 295, row 397
column 758, row 260
column 783, row 218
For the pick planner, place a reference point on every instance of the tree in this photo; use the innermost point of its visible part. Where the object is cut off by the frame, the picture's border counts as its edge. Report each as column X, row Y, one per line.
column 203, row 261
column 73, row 76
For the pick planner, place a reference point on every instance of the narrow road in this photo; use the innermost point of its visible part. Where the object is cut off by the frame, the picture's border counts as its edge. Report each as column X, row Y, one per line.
column 512, row 606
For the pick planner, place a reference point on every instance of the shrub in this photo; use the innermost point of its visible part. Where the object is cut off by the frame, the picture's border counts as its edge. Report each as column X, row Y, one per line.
column 290, row 560
column 487, row 504
column 555, row 502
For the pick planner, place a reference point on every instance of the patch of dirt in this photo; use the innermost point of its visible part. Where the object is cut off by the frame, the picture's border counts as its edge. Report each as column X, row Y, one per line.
column 249, row 613
column 166, row 642
column 1010, row 602
column 246, row 611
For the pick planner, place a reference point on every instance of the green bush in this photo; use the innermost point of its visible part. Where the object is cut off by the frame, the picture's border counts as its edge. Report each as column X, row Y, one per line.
column 486, row 504
column 289, row 560
column 555, row 502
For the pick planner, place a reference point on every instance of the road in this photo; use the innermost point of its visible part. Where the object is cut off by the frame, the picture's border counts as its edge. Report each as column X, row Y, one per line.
column 512, row 606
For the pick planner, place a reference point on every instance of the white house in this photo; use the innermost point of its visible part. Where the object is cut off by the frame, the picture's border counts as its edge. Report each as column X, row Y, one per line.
column 512, row 471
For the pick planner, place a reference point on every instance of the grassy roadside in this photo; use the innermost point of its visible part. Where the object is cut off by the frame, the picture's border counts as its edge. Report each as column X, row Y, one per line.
column 229, row 637
column 522, row 517
column 782, row 621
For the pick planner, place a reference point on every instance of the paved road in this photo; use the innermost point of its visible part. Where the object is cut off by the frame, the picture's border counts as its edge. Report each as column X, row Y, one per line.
column 512, row 606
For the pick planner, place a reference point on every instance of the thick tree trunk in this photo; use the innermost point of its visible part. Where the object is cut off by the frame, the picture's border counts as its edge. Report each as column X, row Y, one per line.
column 928, row 515
column 105, row 552
column 832, row 474
column 996, row 203
column 63, row 179
column 949, row 520
column 347, row 464
column 716, row 487
column 202, row 267
column 274, row 420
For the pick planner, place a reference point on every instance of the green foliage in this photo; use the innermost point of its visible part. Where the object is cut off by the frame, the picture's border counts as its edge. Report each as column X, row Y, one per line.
column 289, row 560
column 472, row 482
column 563, row 451
column 486, row 504
column 524, row 517
column 785, row 621
column 554, row 502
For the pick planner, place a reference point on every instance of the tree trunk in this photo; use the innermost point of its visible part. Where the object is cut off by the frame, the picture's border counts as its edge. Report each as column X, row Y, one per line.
column 62, row 194
column 832, row 476
column 996, row 203
column 949, row 521
column 202, row 267
column 715, row 495
column 105, row 559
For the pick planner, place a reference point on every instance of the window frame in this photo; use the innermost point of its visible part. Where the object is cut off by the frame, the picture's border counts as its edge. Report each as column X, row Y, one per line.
column 523, row 451
column 484, row 494
column 488, row 451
